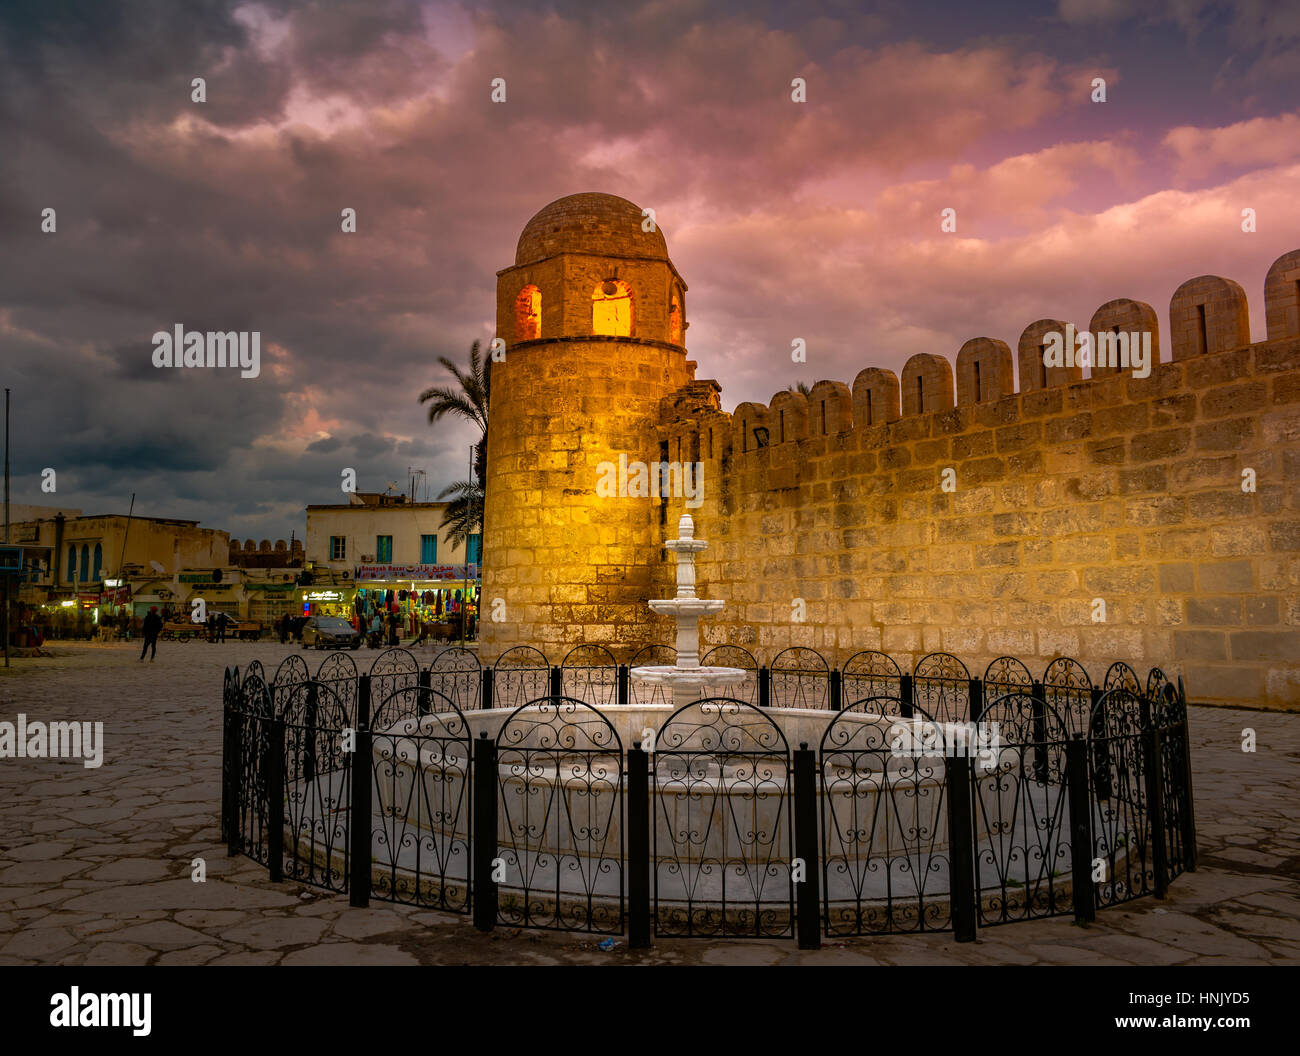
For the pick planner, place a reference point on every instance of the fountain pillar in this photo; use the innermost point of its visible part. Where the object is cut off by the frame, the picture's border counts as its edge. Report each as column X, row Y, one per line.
column 688, row 679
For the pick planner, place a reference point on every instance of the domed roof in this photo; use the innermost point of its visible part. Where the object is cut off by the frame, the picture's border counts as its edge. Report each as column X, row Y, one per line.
column 589, row 223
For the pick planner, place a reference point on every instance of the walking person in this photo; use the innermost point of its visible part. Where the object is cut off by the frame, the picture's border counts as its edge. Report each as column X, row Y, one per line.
column 393, row 623
column 222, row 621
column 284, row 628
column 152, row 626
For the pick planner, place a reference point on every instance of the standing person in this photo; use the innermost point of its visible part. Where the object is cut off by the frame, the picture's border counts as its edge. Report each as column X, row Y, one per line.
column 222, row 620
column 392, row 630
column 152, row 625
column 284, row 628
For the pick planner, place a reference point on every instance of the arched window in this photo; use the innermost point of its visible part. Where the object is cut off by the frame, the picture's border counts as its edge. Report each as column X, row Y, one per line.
column 611, row 309
column 99, row 561
column 675, row 319
column 85, row 563
column 528, row 314
column 72, row 563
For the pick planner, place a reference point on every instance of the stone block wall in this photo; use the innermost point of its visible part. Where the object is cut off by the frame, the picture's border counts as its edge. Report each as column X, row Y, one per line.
column 1115, row 489
column 568, row 565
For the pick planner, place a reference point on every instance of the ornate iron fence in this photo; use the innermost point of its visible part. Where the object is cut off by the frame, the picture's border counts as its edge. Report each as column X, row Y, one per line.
column 560, row 773
column 722, row 826
column 930, row 801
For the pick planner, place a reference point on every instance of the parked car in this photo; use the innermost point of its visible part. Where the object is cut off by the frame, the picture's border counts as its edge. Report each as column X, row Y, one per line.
column 330, row 632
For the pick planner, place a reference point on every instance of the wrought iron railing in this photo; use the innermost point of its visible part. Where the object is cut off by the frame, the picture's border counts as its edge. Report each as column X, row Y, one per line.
column 508, row 793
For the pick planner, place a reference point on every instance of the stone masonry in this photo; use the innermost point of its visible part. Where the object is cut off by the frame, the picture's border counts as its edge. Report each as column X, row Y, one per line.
column 1129, row 490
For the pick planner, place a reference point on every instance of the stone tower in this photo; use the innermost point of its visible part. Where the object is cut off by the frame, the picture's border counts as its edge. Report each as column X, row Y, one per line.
column 593, row 316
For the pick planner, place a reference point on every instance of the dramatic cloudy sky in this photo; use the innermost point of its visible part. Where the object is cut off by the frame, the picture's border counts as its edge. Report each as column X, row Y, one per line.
column 818, row 220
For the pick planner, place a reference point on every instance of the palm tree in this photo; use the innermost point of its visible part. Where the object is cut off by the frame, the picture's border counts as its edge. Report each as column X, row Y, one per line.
column 799, row 387
column 467, row 399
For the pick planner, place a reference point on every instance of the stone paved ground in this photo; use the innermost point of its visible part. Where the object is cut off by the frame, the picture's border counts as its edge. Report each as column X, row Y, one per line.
column 95, row 863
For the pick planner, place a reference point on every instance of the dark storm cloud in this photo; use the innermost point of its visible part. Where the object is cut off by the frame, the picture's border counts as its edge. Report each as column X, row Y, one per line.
column 813, row 221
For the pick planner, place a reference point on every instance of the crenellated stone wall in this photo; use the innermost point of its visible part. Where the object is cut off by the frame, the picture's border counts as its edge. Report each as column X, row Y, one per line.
column 1065, row 493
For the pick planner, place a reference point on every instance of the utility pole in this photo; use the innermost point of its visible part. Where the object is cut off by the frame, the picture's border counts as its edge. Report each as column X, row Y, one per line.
column 469, row 525
column 6, row 574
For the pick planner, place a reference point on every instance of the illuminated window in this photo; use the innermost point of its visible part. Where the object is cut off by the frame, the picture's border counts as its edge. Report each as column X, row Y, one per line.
column 528, row 314
column 675, row 320
column 611, row 309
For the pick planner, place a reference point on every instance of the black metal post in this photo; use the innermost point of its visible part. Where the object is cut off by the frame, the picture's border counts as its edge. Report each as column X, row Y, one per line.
column 1189, row 807
column 1156, row 808
column 837, row 690
column 905, row 696
column 557, row 682
column 273, row 762
column 359, row 838
column 234, row 759
column 225, row 765
column 764, row 688
column 638, row 846
column 485, row 832
column 1081, row 850
column 808, row 892
column 961, row 846
column 624, row 688
column 485, row 696
column 423, row 695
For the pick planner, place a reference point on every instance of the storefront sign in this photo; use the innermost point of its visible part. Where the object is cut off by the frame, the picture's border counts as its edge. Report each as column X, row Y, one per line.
column 115, row 596
column 323, row 595
column 415, row 573
column 269, row 586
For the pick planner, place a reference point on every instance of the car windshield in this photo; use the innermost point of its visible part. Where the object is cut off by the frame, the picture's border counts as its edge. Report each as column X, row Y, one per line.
column 333, row 624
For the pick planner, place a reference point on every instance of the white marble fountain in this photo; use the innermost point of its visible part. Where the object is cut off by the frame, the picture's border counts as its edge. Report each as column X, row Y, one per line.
column 687, row 678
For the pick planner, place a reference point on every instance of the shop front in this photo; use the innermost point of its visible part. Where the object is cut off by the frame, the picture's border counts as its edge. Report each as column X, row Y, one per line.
column 269, row 602
column 318, row 600
column 419, row 595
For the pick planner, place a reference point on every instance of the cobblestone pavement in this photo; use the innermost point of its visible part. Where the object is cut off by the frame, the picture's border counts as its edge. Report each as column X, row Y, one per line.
column 95, row 863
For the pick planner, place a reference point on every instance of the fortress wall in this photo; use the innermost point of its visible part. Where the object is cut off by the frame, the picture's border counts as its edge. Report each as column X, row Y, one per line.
column 1116, row 488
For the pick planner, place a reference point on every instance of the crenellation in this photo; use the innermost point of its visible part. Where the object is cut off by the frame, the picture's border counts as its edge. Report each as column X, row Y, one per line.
column 1124, row 316
column 985, row 371
column 927, row 384
column 1208, row 314
column 1282, row 297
